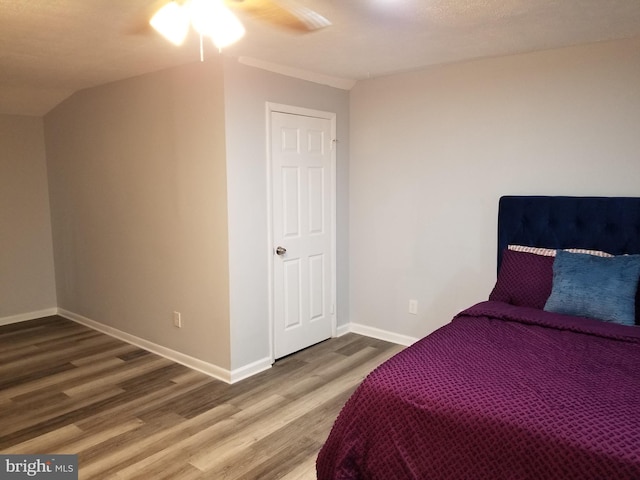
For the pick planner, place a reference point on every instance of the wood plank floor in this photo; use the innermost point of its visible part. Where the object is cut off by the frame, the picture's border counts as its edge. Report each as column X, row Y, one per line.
column 130, row 414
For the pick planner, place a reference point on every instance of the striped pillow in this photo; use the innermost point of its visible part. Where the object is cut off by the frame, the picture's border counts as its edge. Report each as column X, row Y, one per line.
column 551, row 252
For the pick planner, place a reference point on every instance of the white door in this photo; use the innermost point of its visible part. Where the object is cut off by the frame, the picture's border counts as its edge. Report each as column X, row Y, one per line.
column 302, row 224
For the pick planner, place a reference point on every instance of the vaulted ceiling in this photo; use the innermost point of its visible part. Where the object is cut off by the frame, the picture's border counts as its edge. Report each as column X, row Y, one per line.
column 52, row 48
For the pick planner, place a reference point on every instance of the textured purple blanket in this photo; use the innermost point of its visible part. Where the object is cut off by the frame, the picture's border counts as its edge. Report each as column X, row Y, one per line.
column 501, row 392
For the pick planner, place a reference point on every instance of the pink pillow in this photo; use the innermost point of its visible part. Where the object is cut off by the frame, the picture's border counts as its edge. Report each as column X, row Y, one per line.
column 525, row 279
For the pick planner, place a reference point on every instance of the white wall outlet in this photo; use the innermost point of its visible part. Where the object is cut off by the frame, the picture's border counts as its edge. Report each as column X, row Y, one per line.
column 413, row 307
column 177, row 320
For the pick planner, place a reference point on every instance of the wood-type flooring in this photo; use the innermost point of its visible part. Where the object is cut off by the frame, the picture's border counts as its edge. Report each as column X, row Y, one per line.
column 131, row 414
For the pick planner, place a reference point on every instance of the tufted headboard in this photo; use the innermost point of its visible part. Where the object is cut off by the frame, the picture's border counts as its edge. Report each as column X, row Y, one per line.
column 610, row 224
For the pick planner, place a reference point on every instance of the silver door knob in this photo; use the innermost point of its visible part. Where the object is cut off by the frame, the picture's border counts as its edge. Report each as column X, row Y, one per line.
column 281, row 251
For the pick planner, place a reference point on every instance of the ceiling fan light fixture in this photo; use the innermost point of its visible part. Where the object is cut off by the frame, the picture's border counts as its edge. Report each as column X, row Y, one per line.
column 172, row 22
column 211, row 18
column 229, row 36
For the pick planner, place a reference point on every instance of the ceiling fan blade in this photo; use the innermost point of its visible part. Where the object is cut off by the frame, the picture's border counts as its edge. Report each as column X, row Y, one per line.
column 283, row 13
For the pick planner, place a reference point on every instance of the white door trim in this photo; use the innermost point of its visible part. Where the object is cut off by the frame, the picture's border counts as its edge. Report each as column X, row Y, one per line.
column 276, row 107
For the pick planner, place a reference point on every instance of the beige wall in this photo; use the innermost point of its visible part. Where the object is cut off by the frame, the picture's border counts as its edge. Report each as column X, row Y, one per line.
column 433, row 150
column 27, row 282
column 139, row 212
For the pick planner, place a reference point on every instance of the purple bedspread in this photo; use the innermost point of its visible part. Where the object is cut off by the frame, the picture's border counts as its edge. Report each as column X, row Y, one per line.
column 501, row 392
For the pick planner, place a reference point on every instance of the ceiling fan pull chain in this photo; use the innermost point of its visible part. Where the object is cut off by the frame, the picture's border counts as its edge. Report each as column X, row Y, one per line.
column 201, row 50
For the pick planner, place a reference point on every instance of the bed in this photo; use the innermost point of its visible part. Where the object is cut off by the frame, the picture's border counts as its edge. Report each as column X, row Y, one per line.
column 541, row 381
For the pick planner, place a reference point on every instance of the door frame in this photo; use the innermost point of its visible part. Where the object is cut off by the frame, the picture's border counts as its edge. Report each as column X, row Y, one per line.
column 307, row 112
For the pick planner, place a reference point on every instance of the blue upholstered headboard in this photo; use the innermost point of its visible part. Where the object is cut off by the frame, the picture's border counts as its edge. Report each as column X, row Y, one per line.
column 610, row 224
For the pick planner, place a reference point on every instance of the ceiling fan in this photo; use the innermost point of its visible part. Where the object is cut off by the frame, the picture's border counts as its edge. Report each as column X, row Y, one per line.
column 215, row 18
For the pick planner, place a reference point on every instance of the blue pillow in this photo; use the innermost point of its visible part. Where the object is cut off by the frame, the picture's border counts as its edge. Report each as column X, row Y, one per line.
column 595, row 287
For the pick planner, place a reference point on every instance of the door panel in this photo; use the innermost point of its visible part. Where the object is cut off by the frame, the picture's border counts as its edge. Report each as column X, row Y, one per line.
column 301, row 161
column 316, row 287
column 292, row 289
column 290, row 202
column 316, row 189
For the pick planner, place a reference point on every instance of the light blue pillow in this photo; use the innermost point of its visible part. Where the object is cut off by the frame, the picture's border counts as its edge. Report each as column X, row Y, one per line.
column 595, row 287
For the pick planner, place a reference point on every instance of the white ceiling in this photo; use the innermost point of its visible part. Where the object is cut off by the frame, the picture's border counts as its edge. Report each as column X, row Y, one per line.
column 52, row 48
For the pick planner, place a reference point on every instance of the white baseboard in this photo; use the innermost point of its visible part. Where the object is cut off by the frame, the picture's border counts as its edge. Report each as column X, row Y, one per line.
column 251, row 369
column 207, row 368
column 219, row 373
column 381, row 334
column 342, row 330
column 23, row 317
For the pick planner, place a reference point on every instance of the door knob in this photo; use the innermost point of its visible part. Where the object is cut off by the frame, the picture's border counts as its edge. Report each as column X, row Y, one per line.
column 281, row 251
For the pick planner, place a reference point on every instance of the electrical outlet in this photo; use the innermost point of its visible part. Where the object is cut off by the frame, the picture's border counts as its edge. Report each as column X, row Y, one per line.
column 177, row 320
column 413, row 307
